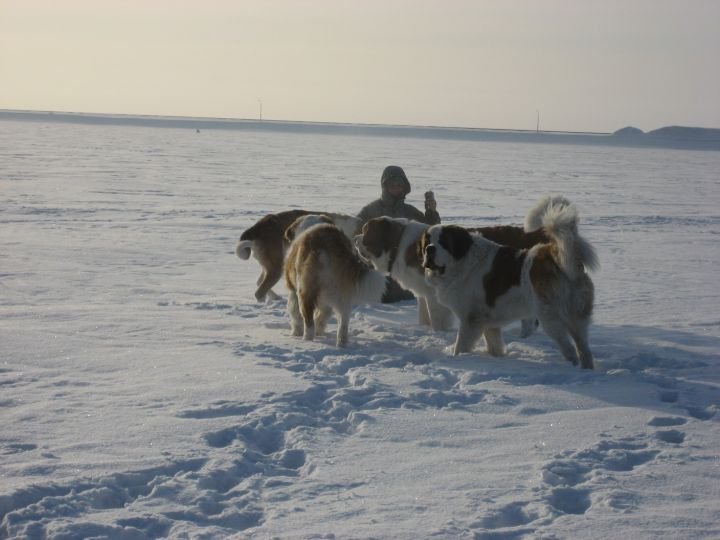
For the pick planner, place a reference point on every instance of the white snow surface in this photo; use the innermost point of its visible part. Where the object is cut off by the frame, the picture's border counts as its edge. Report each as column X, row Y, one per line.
column 144, row 393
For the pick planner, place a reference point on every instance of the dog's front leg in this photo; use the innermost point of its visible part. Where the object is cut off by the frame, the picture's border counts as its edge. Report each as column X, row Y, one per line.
column 468, row 333
column 494, row 341
column 527, row 327
column 440, row 316
column 424, row 318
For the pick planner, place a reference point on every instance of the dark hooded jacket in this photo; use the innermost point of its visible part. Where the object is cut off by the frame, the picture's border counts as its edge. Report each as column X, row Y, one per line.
column 396, row 207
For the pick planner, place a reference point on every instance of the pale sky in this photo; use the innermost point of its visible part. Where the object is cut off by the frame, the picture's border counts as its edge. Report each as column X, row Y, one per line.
column 585, row 65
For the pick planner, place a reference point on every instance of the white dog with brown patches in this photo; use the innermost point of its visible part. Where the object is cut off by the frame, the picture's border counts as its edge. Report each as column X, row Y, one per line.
column 323, row 273
column 487, row 285
column 392, row 246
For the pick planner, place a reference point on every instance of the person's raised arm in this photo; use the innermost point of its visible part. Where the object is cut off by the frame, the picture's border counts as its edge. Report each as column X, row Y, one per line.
column 432, row 217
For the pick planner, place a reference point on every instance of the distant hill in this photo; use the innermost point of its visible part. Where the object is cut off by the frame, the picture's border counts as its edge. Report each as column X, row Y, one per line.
column 686, row 133
column 667, row 137
column 629, row 132
column 672, row 136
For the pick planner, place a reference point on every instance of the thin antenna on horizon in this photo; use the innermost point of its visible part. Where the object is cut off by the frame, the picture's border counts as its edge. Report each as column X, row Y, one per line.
column 260, row 106
column 537, row 127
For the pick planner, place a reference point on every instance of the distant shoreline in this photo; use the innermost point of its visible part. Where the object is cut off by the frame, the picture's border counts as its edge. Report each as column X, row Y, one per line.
column 677, row 137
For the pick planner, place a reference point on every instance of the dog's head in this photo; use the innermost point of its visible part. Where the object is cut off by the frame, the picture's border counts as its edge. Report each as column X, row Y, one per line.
column 442, row 245
column 379, row 238
column 303, row 223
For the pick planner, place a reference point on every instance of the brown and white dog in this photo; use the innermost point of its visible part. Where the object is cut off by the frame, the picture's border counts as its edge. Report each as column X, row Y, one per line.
column 487, row 285
column 266, row 241
column 323, row 273
column 393, row 245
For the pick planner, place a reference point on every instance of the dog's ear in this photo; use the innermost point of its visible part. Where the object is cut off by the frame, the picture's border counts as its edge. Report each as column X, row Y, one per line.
column 456, row 240
column 383, row 234
column 371, row 236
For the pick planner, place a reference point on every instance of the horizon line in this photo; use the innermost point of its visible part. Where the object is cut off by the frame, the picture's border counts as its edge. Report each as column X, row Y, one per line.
column 673, row 136
column 316, row 122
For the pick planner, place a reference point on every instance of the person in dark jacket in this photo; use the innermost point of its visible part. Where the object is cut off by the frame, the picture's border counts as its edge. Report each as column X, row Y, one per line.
column 395, row 187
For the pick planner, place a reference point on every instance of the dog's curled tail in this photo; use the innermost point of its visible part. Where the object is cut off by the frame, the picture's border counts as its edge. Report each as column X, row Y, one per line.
column 534, row 218
column 243, row 249
column 370, row 287
column 560, row 222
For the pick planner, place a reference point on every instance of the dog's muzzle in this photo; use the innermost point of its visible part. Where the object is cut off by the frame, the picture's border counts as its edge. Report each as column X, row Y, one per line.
column 429, row 260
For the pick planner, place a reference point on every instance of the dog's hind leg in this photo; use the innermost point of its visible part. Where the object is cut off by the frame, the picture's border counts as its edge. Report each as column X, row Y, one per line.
column 343, row 314
column 266, row 282
column 494, row 341
column 582, row 305
column 272, row 295
column 558, row 332
column 308, row 303
column 322, row 314
column 579, row 334
column 293, row 309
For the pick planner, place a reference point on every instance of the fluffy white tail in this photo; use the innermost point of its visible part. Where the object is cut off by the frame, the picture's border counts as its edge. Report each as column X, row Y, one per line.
column 370, row 288
column 534, row 218
column 560, row 222
column 243, row 249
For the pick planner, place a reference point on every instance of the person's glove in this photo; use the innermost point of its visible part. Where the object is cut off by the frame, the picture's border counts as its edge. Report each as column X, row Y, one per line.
column 430, row 202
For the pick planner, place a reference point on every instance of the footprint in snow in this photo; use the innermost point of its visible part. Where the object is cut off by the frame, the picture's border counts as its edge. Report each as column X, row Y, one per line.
column 671, row 436
column 665, row 421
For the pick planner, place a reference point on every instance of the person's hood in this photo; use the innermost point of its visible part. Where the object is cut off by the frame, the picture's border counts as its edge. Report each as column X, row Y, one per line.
column 393, row 172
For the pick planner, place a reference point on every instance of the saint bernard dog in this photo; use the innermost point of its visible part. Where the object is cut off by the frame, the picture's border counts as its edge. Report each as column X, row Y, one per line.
column 487, row 285
column 324, row 273
column 267, row 242
column 393, row 245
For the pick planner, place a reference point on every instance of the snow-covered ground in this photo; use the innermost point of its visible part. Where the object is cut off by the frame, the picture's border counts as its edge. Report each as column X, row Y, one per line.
column 145, row 394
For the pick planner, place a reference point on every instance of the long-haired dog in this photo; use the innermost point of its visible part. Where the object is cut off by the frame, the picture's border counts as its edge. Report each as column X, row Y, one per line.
column 393, row 245
column 487, row 285
column 323, row 273
column 266, row 241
